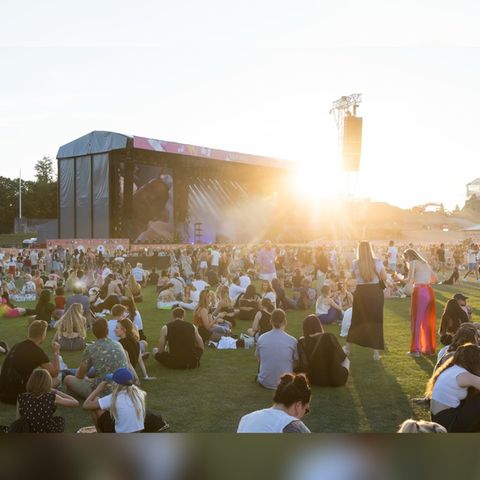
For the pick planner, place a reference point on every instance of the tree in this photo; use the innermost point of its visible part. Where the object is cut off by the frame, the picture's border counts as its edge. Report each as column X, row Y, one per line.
column 8, row 203
column 44, row 170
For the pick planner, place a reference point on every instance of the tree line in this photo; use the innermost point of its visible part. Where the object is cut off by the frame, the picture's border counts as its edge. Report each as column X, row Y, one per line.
column 39, row 196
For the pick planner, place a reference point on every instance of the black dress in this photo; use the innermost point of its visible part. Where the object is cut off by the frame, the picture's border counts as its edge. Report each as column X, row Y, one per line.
column 366, row 329
column 38, row 412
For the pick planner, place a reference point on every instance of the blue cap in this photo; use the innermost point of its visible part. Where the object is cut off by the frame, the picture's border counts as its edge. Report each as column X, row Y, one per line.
column 122, row 376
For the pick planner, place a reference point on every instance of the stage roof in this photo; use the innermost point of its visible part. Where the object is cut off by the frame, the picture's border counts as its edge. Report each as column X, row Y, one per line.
column 103, row 142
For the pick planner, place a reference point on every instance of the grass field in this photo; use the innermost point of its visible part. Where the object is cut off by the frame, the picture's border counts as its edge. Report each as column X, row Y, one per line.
column 214, row 397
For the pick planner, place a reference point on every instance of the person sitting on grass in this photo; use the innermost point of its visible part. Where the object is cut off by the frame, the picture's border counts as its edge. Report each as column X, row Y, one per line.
column 209, row 327
column 454, row 315
column 467, row 333
column 453, row 278
column 79, row 296
column 130, row 341
column 44, row 308
column 38, row 404
column 248, row 304
column 118, row 313
column 124, row 410
column 451, row 405
column 104, row 355
column 262, row 321
column 224, row 307
column 180, row 345
column 71, row 332
column 327, row 310
column 291, row 403
column 276, row 352
column 321, row 356
column 282, row 301
column 23, row 358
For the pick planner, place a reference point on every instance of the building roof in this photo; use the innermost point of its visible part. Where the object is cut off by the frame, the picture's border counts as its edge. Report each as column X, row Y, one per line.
column 103, row 142
column 474, row 182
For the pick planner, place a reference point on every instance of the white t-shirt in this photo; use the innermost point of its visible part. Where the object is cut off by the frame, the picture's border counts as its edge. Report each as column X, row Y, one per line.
column 392, row 255
column 111, row 330
column 447, row 390
column 106, row 272
column 200, row 284
column 245, row 281
column 234, row 291
column 215, row 260
column 137, row 321
column 138, row 274
column 127, row 422
column 471, row 256
column 268, row 420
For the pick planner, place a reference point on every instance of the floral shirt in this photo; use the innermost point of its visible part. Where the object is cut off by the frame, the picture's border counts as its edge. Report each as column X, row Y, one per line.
column 105, row 356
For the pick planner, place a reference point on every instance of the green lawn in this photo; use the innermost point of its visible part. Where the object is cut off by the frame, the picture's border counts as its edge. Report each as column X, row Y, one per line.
column 214, row 397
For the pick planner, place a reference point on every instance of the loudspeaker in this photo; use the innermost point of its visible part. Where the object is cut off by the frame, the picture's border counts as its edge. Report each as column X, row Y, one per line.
column 352, row 143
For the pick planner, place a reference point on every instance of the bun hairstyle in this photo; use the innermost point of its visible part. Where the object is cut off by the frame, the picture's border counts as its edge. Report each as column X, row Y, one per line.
column 291, row 389
column 420, row 426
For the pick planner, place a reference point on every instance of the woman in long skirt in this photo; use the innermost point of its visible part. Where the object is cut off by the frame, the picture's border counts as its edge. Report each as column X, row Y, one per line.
column 422, row 312
column 367, row 312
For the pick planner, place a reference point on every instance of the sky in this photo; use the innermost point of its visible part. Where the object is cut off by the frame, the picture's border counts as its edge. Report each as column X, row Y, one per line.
column 253, row 77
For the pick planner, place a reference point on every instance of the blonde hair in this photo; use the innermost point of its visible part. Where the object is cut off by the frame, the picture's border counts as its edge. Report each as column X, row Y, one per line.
column 420, row 426
column 136, row 396
column 411, row 254
column 72, row 321
column 223, row 295
column 133, row 286
column 366, row 263
column 39, row 382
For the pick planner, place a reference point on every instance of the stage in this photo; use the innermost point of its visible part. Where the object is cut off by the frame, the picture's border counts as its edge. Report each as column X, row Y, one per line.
column 116, row 186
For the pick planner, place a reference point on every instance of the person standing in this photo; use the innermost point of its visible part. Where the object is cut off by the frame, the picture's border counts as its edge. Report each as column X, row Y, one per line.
column 441, row 259
column 472, row 261
column 422, row 313
column 392, row 256
column 266, row 262
column 366, row 329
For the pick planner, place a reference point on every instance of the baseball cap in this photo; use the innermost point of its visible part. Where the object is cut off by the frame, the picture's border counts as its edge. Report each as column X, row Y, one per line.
column 122, row 376
column 460, row 296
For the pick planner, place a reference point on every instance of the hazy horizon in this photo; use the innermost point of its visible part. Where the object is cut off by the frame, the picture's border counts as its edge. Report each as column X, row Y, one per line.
column 256, row 79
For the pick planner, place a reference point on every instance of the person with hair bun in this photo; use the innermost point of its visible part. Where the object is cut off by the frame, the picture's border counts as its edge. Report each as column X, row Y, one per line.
column 420, row 426
column 291, row 402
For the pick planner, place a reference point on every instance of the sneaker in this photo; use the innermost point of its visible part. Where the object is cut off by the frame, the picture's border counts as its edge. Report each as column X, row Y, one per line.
column 346, row 350
column 376, row 356
column 414, row 354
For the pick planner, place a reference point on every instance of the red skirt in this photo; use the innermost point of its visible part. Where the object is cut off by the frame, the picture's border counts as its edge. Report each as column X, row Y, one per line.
column 423, row 320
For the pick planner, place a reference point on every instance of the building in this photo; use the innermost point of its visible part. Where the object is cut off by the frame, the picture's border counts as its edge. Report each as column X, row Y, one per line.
column 473, row 188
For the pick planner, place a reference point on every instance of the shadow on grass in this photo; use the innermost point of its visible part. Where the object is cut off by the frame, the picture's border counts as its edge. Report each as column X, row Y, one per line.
column 426, row 363
column 377, row 379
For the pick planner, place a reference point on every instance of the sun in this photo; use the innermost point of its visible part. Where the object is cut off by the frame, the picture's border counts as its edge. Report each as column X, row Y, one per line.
column 317, row 181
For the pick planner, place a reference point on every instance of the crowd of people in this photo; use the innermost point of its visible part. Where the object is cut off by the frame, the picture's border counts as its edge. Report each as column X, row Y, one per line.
column 81, row 291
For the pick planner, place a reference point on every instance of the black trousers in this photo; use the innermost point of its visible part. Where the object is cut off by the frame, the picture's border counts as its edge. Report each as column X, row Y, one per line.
column 463, row 419
column 170, row 361
column 153, row 423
